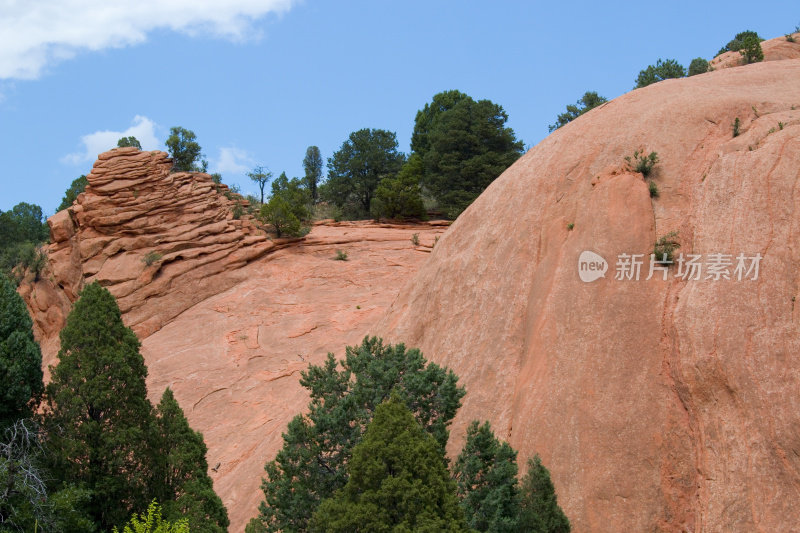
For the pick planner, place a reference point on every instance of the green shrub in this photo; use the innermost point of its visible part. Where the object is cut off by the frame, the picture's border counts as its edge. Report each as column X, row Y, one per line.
column 653, row 188
column 662, row 70
column 736, row 124
column 738, row 42
column 588, row 101
column 698, row 66
column 415, row 239
column 152, row 257
column 664, row 248
column 152, row 522
column 751, row 49
column 642, row 163
column 570, row 226
column 341, row 255
column 238, row 211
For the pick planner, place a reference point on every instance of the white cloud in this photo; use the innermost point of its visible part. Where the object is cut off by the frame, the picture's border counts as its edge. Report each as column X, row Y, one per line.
column 100, row 141
column 35, row 33
column 232, row 160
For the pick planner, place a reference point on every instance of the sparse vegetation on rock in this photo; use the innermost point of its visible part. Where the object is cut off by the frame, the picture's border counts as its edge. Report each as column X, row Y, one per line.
column 664, row 248
column 661, row 71
column 587, row 102
column 642, row 163
column 698, row 66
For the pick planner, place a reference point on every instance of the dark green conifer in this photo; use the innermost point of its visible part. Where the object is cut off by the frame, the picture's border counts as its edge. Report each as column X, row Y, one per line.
column 539, row 510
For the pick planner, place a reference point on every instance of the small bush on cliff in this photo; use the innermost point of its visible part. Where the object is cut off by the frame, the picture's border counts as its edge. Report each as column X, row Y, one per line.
column 77, row 186
column 642, row 163
column 152, row 257
column 664, row 248
column 751, row 49
column 736, row 124
column 738, row 42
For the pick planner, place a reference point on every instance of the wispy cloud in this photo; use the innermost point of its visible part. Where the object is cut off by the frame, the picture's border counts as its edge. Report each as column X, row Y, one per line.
column 34, row 34
column 100, row 141
column 232, row 160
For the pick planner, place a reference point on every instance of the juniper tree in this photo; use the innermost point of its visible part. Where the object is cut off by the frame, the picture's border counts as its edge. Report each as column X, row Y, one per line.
column 539, row 510
column 98, row 420
column 317, row 447
column 398, row 481
column 486, row 476
column 20, row 358
column 183, row 483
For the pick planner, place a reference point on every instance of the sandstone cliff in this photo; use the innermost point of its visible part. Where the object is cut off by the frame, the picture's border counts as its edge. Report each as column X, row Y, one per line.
column 658, row 405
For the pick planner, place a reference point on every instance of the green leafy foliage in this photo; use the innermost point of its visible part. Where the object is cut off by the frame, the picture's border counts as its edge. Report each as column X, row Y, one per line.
column 357, row 168
column 312, row 165
column 77, row 186
column 738, row 42
column 698, row 66
column 400, row 196
column 341, row 255
column 185, row 151
column 98, row 420
column 486, row 477
column 287, row 208
column 20, row 359
column 751, row 49
column 152, row 522
column 539, row 510
column 736, row 125
column 260, row 176
column 398, row 481
column 464, row 145
column 152, row 257
column 664, row 248
column 642, row 163
column 22, row 229
column 184, row 484
column 311, row 466
column 662, row 70
column 587, row 102
column 129, row 141
column 652, row 189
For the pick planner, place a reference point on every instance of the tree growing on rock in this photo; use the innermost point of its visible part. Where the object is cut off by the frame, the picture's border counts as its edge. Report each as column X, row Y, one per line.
column 312, row 165
column 698, row 66
column 129, row 141
column 539, row 510
column 397, row 481
column 661, row 71
column 77, row 186
column 187, row 156
column 312, row 465
column 738, row 42
column 261, row 177
column 287, row 207
column 400, row 196
column 588, row 101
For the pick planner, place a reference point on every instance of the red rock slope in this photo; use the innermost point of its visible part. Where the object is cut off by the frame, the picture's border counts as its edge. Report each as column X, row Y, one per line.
column 657, row 405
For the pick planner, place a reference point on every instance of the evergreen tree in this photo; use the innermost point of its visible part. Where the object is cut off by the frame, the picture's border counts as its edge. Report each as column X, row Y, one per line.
column 698, row 66
column 661, row 71
column 185, row 151
column 311, row 466
column 129, row 141
column 312, row 164
column 77, row 186
column 260, row 176
column 464, row 146
column 738, row 42
column 588, row 101
column 184, row 484
column 486, row 475
column 401, row 196
column 20, row 358
column 751, row 49
column 539, row 510
column 98, row 421
column 398, row 481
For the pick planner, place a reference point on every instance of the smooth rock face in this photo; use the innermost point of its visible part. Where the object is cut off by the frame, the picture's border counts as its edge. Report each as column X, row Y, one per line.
column 657, row 405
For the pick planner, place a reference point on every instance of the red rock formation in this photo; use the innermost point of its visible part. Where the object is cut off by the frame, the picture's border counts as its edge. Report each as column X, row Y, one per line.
column 657, row 405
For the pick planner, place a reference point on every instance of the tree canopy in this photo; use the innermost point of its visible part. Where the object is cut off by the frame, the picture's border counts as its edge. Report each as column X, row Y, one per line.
column 698, row 66
column 311, row 466
column 187, row 156
column 738, row 42
column 464, row 146
column 400, row 196
column 77, row 186
column 129, row 141
column 356, row 169
column 312, row 165
column 261, row 177
column 20, row 358
column 587, row 102
column 661, row 71
column 398, row 481
column 287, row 207
column 539, row 510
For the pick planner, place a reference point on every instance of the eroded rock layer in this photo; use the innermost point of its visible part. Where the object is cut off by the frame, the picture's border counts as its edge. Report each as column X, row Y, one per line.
column 658, row 405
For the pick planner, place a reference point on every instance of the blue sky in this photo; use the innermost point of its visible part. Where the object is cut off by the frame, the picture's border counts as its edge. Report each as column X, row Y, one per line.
column 260, row 80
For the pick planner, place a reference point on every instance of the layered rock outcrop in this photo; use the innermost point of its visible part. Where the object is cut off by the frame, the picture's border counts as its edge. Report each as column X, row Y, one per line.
column 658, row 405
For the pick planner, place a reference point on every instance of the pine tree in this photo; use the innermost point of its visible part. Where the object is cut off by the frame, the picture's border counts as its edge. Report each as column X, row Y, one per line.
column 20, row 358
column 98, row 420
column 539, row 510
column 184, row 484
column 398, row 481
column 311, row 466
column 486, row 476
